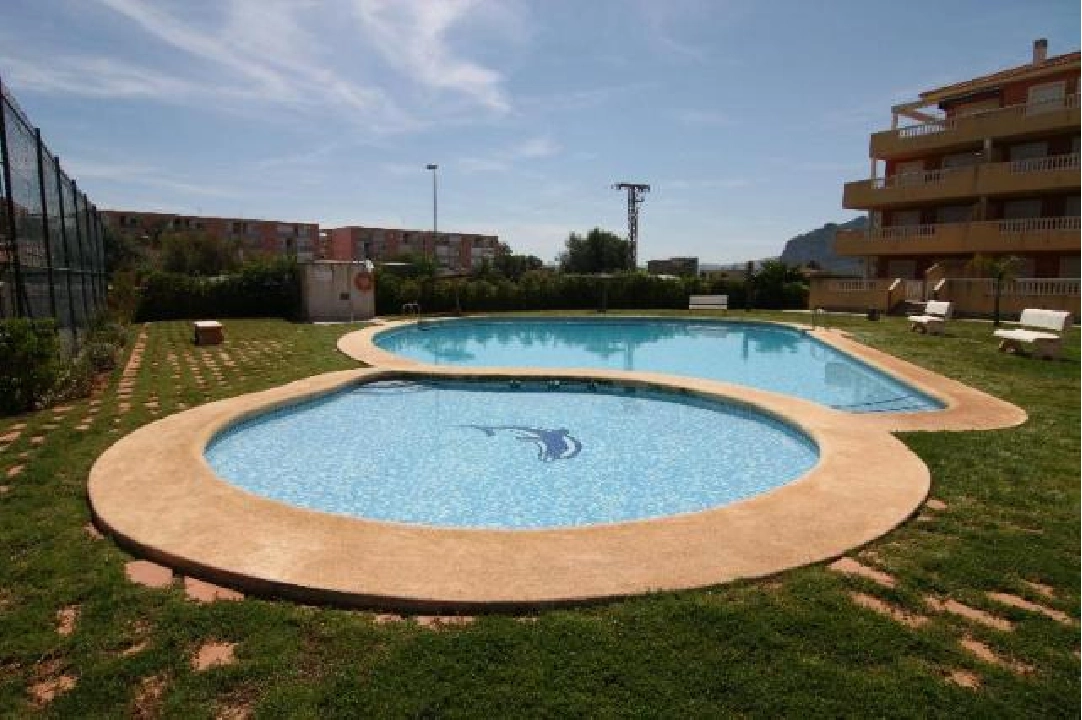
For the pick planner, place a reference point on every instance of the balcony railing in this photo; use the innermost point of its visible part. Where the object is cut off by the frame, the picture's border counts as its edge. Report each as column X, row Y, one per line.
column 1044, row 164
column 1020, row 287
column 1070, row 102
column 1019, row 225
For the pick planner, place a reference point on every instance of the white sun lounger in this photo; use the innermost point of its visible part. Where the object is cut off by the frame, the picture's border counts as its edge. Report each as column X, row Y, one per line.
column 936, row 314
column 708, row 302
column 1046, row 340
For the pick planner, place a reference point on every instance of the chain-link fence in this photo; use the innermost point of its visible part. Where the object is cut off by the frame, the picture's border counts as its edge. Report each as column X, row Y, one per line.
column 52, row 254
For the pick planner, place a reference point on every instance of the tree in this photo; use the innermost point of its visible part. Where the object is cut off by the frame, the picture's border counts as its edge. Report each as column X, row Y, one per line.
column 600, row 251
column 197, row 253
column 778, row 286
column 514, row 267
column 1001, row 270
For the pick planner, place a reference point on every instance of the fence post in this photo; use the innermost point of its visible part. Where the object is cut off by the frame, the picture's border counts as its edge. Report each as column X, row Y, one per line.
column 79, row 238
column 45, row 225
column 103, row 272
column 67, row 252
column 22, row 305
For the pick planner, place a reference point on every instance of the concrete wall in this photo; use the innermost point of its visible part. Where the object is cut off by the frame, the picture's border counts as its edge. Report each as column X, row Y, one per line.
column 330, row 293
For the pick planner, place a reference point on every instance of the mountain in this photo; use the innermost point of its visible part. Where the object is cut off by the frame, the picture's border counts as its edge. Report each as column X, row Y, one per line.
column 818, row 245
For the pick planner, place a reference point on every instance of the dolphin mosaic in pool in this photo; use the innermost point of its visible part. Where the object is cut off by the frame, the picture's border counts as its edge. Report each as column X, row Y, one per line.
column 551, row 444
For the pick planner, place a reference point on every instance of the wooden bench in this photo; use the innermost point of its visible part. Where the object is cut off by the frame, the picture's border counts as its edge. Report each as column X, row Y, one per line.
column 932, row 321
column 207, row 332
column 708, row 302
column 1047, row 344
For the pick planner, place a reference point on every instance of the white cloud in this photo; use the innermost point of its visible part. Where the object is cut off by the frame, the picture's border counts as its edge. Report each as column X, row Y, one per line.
column 414, row 36
column 534, row 148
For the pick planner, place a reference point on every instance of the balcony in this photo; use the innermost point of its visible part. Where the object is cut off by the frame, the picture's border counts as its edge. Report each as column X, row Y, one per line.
column 1053, row 173
column 1059, row 234
column 1025, row 119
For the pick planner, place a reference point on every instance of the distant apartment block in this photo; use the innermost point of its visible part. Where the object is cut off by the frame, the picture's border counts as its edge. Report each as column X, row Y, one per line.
column 451, row 251
column 254, row 238
column 987, row 166
column 674, row 266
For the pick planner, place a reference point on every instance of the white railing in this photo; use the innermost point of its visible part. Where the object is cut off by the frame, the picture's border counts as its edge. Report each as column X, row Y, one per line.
column 1020, row 287
column 854, row 285
column 913, row 179
column 900, row 231
column 1025, row 110
column 1030, row 224
column 1021, row 225
column 1042, row 164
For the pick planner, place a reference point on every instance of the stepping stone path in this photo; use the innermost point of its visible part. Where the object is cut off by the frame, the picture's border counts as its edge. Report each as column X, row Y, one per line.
column 849, row 566
column 131, row 372
column 969, row 613
column 213, row 654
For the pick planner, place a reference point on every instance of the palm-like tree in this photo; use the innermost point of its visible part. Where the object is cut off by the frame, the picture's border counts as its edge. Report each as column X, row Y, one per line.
column 1001, row 270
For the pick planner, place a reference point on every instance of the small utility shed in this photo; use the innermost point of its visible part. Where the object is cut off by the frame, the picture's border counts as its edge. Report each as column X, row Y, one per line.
column 338, row 290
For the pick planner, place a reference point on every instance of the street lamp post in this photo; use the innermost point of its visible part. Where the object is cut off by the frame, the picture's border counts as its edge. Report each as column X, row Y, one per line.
column 435, row 228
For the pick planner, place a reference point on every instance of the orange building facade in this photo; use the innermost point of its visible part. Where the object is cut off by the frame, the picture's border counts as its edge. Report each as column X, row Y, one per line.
column 452, row 251
column 988, row 166
column 254, row 238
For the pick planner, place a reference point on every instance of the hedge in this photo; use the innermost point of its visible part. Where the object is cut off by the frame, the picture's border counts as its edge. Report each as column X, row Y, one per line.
column 553, row 291
column 258, row 290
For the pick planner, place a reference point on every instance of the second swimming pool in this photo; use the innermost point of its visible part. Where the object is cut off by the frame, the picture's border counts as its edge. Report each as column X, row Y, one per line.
column 766, row 356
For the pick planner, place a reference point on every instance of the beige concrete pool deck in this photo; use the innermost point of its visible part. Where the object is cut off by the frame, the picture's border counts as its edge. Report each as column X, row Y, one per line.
column 155, row 493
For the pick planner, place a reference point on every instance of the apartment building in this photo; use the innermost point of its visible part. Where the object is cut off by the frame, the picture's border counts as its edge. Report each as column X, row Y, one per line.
column 254, row 238
column 451, row 251
column 987, row 166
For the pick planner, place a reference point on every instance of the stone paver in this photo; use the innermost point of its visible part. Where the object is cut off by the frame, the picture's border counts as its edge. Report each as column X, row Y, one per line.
column 46, row 691
column 147, row 573
column 92, row 531
column 897, row 614
column 214, row 654
column 969, row 613
column 435, row 622
column 205, row 592
column 65, row 619
column 849, row 566
column 1040, row 588
column 985, row 653
column 964, row 678
column 1023, row 604
column 934, row 504
column 15, row 470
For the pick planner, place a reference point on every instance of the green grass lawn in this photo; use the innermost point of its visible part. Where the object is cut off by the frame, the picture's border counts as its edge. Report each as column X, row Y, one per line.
column 793, row 644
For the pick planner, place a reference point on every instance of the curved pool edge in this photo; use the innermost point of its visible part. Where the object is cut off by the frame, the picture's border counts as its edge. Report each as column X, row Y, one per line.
column 966, row 408
column 154, row 491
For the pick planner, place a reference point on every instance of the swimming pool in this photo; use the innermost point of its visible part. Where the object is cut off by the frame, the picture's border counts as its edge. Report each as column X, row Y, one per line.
column 767, row 356
column 510, row 454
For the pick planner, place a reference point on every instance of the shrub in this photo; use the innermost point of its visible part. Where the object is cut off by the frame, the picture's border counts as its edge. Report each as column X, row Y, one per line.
column 270, row 289
column 29, row 363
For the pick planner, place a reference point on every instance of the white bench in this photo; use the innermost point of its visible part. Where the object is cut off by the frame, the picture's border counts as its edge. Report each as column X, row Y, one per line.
column 708, row 302
column 935, row 317
column 1047, row 344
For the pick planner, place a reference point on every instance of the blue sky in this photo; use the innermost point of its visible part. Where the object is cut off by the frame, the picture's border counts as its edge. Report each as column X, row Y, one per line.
column 746, row 116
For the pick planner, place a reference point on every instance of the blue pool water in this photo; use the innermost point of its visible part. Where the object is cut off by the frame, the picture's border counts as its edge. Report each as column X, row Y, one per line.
column 770, row 357
column 510, row 455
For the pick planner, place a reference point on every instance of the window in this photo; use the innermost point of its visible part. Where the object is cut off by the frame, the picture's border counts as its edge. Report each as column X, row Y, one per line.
column 1028, row 151
column 1046, row 98
column 1069, row 266
column 1021, row 209
column 954, row 214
